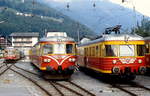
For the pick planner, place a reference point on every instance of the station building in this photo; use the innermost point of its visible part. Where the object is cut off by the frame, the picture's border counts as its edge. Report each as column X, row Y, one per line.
column 23, row 41
column 4, row 42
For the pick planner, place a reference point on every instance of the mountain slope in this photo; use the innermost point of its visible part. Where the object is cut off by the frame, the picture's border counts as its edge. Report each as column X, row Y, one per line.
column 105, row 13
column 26, row 16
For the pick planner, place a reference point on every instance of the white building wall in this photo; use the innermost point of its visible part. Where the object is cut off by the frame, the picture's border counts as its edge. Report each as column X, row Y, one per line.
column 22, row 46
column 34, row 40
column 12, row 41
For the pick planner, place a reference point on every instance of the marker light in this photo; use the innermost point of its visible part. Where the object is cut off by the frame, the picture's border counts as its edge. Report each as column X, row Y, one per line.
column 72, row 59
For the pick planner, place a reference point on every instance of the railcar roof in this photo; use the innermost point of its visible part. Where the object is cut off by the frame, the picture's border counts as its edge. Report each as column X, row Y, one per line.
column 57, row 39
column 147, row 38
column 114, row 37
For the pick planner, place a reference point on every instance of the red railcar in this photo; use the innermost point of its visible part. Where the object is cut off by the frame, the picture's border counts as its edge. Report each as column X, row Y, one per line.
column 118, row 54
column 11, row 54
column 55, row 55
column 147, row 55
column 1, row 54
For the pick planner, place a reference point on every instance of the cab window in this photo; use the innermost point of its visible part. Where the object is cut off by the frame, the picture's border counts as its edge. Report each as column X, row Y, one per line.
column 141, row 50
column 111, row 50
column 147, row 46
column 69, row 48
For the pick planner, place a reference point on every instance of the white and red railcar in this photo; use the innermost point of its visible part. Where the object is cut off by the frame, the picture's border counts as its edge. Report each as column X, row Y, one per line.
column 55, row 55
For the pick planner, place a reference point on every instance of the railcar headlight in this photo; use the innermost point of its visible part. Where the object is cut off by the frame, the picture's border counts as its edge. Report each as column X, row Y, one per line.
column 72, row 59
column 47, row 60
column 139, row 61
column 114, row 61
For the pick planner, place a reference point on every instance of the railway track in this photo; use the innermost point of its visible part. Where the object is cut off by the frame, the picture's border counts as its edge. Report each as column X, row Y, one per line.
column 136, row 88
column 62, row 88
column 7, row 68
column 33, row 81
column 74, row 88
column 2, row 66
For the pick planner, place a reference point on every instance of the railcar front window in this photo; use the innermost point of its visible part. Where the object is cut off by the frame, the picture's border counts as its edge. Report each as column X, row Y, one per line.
column 111, row 50
column 47, row 49
column 59, row 48
column 141, row 50
column 127, row 50
column 69, row 48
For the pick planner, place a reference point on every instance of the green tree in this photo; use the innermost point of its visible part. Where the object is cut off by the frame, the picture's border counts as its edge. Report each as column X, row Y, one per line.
column 143, row 29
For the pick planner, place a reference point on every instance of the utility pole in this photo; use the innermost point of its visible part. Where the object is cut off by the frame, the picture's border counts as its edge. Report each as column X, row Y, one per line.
column 78, row 32
column 134, row 18
column 45, row 33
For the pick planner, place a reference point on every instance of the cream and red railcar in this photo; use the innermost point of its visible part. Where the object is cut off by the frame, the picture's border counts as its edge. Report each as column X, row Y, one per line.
column 55, row 55
column 118, row 54
column 11, row 54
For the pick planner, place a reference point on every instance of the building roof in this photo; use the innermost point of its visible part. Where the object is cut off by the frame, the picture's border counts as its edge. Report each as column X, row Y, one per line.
column 27, row 34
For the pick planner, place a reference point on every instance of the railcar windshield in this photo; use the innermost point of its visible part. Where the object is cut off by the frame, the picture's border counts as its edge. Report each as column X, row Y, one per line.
column 60, row 48
column 63, row 48
column 127, row 50
column 47, row 49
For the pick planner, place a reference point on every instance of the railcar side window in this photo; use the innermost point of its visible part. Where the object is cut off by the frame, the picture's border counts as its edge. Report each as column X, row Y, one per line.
column 127, row 50
column 69, row 48
column 93, row 51
column 140, row 50
column 97, row 51
column 47, row 49
column 111, row 50
column 84, row 51
column 88, row 51
column 147, row 46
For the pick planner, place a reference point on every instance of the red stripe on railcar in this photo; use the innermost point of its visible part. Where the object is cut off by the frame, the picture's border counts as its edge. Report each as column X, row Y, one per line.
column 107, row 63
column 57, row 60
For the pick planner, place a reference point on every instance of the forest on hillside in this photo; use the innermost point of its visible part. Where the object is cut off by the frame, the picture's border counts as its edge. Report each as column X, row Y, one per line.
column 18, row 16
